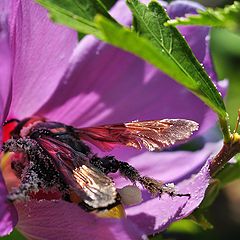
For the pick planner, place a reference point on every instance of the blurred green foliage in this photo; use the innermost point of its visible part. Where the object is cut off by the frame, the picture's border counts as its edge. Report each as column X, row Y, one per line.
column 227, row 17
column 109, row 3
column 15, row 235
column 226, row 54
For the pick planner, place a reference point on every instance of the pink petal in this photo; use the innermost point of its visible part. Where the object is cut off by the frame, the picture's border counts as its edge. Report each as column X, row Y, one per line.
column 121, row 13
column 5, row 61
column 106, row 85
column 62, row 220
column 41, row 52
column 155, row 215
column 8, row 213
column 173, row 166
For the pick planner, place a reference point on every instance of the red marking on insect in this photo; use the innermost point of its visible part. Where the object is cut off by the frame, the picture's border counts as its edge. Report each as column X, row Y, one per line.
column 8, row 127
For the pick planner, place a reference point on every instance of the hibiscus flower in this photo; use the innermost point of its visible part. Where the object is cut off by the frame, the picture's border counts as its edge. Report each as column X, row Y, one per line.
column 45, row 71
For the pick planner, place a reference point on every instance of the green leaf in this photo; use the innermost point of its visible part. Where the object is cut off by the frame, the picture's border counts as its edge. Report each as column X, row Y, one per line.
column 186, row 226
column 77, row 14
column 225, row 47
column 165, row 48
column 157, row 237
column 228, row 17
column 109, row 3
column 199, row 218
column 162, row 46
column 16, row 235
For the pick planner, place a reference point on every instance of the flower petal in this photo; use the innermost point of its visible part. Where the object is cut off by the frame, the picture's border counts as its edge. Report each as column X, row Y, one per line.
column 8, row 213
column 41, row 52
column 169, row 166
column 5, row 61
column 106, row 85
column 59, row 219
column 155, row 215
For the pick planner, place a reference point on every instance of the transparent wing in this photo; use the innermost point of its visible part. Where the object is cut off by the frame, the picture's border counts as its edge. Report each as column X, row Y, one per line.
column 154, row 135
column 92, row 186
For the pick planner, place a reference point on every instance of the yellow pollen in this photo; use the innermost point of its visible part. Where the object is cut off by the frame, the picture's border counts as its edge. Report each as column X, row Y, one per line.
column 115, row 212
column 4, row 159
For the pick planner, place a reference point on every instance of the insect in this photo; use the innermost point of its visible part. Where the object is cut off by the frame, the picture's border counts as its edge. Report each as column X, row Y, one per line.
column 56, row 156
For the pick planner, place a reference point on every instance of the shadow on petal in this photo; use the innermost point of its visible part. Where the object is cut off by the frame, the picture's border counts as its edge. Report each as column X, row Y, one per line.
column 169, row 209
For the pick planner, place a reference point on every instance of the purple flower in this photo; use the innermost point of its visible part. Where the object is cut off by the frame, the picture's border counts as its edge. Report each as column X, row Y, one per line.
column 44, row 71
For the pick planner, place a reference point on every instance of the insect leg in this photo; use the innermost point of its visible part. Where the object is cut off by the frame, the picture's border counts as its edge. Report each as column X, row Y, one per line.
column 110, row 164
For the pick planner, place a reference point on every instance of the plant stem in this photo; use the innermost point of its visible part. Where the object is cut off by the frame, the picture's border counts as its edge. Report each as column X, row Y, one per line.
column 229, row 150
column 225, row 129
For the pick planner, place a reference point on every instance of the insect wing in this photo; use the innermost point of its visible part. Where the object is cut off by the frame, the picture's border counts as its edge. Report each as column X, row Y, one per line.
column 154, row 135
column 93, row 187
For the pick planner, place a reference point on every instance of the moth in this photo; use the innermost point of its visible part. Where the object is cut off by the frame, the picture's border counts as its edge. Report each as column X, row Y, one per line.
column 51, row 155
